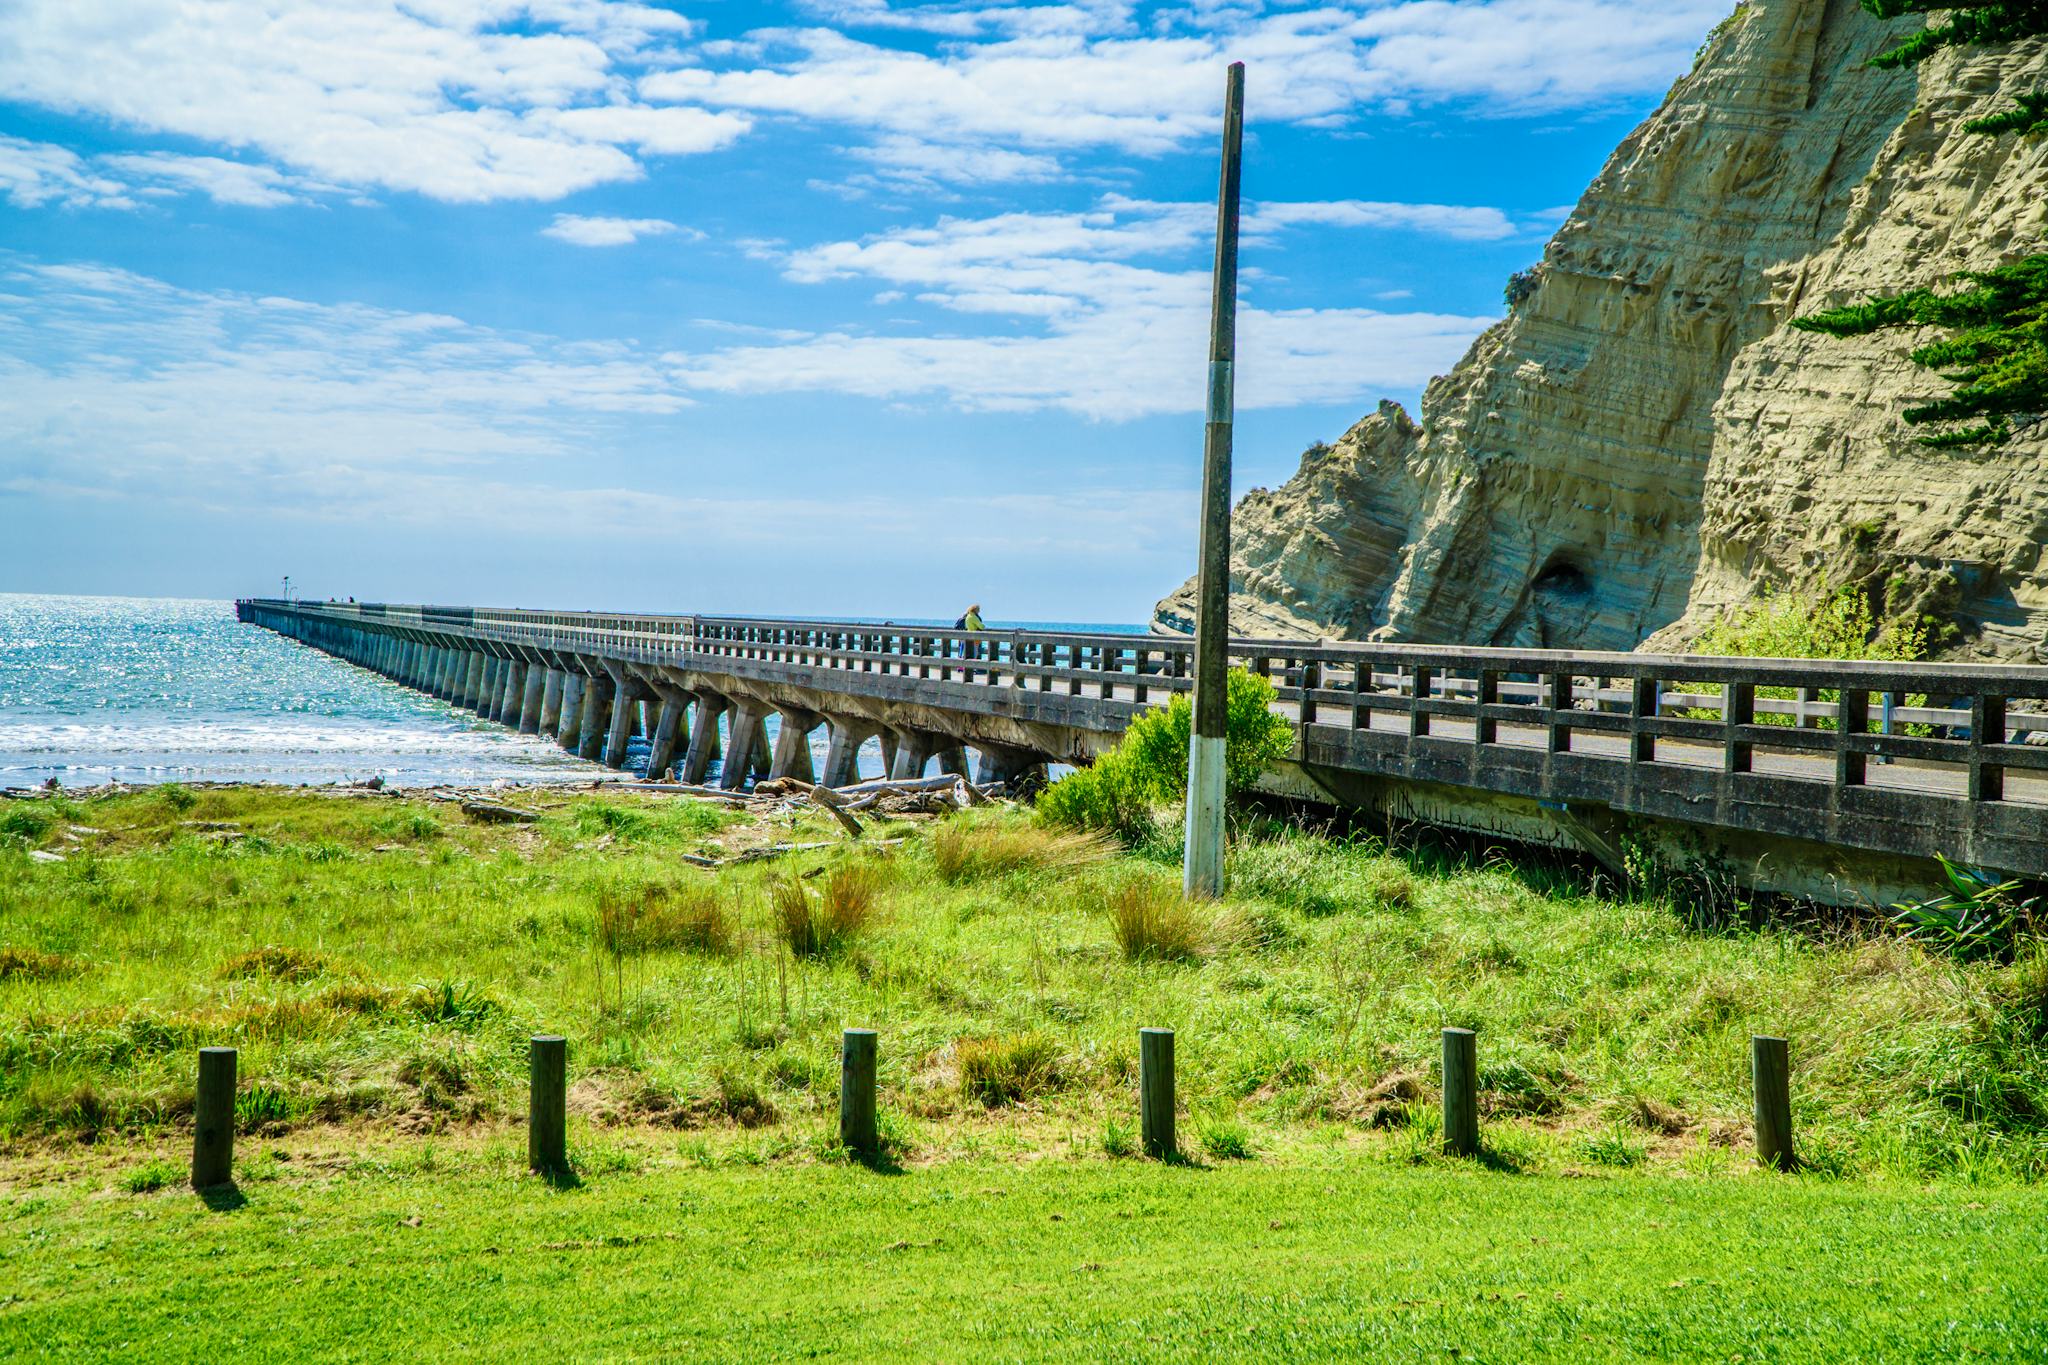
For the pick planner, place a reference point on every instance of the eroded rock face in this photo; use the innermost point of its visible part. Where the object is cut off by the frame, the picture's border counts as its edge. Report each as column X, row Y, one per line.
column 1645, row 440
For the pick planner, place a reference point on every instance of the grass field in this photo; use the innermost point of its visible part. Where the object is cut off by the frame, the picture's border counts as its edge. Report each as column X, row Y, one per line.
column 445, row 1253
column 381, row 962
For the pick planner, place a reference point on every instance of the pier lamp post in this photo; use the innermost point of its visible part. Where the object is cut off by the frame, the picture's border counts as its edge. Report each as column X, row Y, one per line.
column 1202, row 864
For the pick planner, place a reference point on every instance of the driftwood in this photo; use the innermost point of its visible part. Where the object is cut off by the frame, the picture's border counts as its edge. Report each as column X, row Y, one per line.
column 684, row 789
column 491, row 813
column 827, row 800
column 902, row 784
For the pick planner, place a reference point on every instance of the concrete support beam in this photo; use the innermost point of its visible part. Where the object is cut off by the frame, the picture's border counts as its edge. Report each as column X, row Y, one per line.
column 551, row 701
column 668, row 729
column 748, row 728
column 625, row 712
column 793, row 746
column 842, row 754
column 597, row 708
column 569, row 728
column 703, row 750
column 530, row 698
column 1000, row 763
column 914, row 749
column 515, row 694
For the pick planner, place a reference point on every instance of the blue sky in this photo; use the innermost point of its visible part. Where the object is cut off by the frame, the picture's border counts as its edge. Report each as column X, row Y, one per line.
column 839, row 308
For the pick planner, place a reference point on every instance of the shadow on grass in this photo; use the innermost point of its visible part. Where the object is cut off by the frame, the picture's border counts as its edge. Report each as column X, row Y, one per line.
column 561, row 1178
column 223, row 1198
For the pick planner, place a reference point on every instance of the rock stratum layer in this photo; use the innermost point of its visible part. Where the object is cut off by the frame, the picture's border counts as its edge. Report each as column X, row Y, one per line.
column 1645, row 441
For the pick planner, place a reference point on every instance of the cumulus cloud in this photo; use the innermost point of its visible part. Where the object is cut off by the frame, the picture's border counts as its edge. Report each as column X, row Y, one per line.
column 37, row 174
column 475, row 100
column 581, row 231
column 463, row 100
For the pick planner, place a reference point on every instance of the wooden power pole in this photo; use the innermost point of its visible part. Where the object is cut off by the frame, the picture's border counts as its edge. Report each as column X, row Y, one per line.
column 1202, row 866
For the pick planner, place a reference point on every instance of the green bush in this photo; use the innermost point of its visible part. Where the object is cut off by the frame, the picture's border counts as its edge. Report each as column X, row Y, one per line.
column 1149, row 766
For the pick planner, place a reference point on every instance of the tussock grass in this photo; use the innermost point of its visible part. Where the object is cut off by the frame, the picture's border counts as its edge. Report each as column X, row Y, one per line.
column 662, row 917
column 971, row 850
column 1308, row 1002
column 1150, row 922
column 821, row 922
column 26, row 964
column 1000, row 1071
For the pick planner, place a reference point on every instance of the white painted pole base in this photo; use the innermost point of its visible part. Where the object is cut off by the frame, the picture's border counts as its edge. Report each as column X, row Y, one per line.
column 1202, row 864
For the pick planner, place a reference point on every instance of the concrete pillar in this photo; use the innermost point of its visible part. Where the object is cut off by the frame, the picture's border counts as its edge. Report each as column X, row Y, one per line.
column 888, row 742
column 746, row 730
column 757, row 760
column 569, row 728
column 515, row 691
column 625, row 712
column 494, row 688
column 597, row 705
column 1000, row 763
column 529, row 699
column 473, row 680
column 913, row 751
column 792, row 756
column 551, row 701
column 703, row 748
column 668, row 728
column 454, row 668
column 953, row 760
column 842, row 755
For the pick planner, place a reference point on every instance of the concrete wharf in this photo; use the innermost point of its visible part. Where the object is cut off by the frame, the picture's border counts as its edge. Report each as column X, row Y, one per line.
column 1839, row 780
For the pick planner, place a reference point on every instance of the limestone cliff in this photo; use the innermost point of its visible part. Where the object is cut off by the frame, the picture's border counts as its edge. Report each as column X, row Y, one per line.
column 1645, row 440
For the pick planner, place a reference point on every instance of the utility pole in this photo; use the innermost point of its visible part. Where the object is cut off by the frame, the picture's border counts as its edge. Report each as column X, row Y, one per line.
column 1202, row 865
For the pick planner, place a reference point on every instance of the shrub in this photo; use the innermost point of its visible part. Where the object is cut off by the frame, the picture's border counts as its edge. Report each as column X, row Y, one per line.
column 661, row 918
column 177, row 797
column 1149, row 765
column 821, row 923
column 999, row 1071
column 1255, row 735
column 1975, row 918
column 1522, row 286
column 967, row 851
column 1106, row 796
column 1152, row 923
column 279, row 964
column 26, row 822
column 27, row 964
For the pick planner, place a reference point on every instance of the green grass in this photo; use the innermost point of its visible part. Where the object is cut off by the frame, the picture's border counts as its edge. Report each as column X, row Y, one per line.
column 446, row 1252
column 381, row 963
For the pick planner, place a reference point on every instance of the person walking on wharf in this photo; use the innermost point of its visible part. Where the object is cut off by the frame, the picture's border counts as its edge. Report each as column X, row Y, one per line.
column 969, row 620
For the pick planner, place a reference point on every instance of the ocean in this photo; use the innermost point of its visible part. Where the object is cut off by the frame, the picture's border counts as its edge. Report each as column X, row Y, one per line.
column 139, row 690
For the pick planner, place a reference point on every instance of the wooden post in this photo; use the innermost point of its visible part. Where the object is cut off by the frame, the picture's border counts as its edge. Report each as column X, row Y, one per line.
column 1771, row 1073
column 1202, row 862
column 547, row 1123
column 213, row 1119
column 1155, row 1092
column 857, row 1056
column 1461, row 1092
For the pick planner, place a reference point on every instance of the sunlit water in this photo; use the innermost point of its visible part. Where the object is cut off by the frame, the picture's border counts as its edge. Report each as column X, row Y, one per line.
column 97, row 689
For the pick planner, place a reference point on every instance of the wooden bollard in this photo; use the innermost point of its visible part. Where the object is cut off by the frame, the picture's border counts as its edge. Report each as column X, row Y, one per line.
column 1155, row 1092
column 213, row 1119
column 858, row 1053
column 1461, row 1092
column 1771, row 1075
column 547, row 1100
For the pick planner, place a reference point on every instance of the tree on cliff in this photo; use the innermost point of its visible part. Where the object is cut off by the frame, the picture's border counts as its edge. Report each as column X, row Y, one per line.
column 1994, row 347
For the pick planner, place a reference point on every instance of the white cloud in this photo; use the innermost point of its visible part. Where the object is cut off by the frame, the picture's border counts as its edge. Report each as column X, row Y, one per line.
column 464, row 100
column 37, row 174
column 581, row 231
column 1043, row 78
column 1117, row 332
column 475, row 100
column 225, row 182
